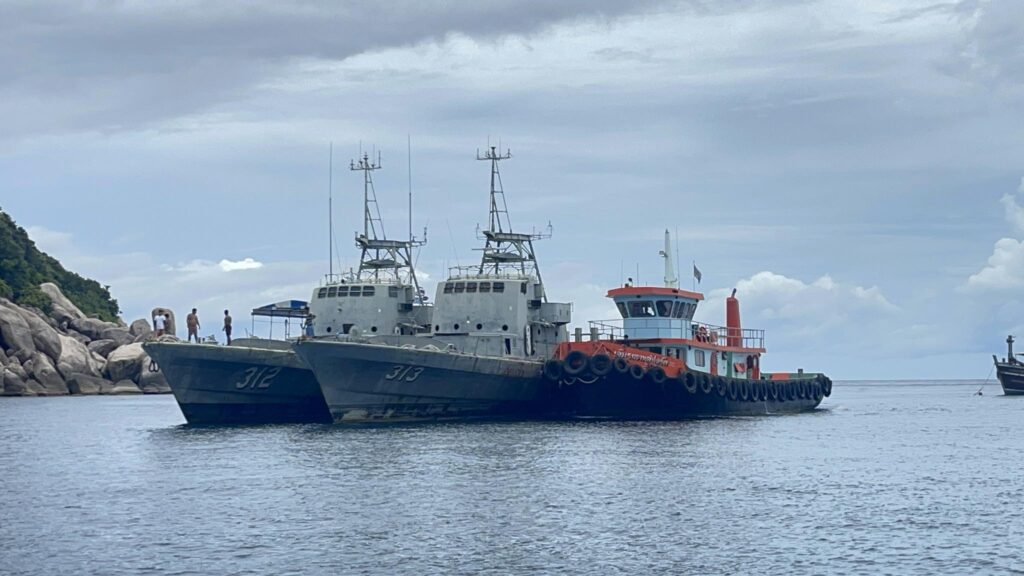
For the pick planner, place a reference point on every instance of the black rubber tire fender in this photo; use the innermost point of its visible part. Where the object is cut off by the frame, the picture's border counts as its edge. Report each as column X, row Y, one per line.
column 620, row 365
column 575, row 363
column 636, row 371
column 600, row 364
column 743, row 390
column 705, row 383
column 801, row 389
column 827, row 389
column 790, row 390
column 689, row 380
column 657, row 375
column 718, row 384
column 553, row 370
column 732, row 389
column 756, row 391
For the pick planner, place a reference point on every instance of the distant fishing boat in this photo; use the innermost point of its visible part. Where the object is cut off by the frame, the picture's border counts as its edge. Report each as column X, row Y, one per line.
column 1010, row 371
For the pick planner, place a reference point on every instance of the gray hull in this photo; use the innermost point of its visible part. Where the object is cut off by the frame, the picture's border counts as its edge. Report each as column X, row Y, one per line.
column 1011, row 377
column 239, row 384
column 367, row 382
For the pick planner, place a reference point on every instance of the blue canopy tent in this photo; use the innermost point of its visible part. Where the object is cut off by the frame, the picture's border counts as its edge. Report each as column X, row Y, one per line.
column 287, row 309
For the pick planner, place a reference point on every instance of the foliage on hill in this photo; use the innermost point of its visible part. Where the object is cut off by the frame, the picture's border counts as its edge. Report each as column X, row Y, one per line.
column 23, row 268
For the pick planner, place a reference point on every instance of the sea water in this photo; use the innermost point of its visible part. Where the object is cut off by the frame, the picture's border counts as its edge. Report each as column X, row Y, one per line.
column 886, row 477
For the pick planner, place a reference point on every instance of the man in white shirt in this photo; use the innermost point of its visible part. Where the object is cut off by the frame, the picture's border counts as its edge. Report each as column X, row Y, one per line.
column 159, row 323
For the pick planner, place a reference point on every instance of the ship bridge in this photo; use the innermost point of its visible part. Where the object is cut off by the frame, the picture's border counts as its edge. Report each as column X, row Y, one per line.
column 652, row 312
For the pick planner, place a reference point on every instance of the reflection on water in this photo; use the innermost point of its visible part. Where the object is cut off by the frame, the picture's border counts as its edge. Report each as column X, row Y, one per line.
column 904, row 478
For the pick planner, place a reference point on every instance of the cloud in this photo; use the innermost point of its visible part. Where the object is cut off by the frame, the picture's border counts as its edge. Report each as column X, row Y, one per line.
column 1014, row 211
column 1004, row 270
column 1005, row 267
column 246, row 264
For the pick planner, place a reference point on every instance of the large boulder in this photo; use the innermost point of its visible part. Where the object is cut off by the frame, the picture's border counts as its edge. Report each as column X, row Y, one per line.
column 76, row 357
column 103, row 347
column 14, row 365
column 15, row 334
column 117, row 334
column 45, row 338
column 3, row 358
column 140, row 327
column 11, row 384
column 153, row 382
column 125, row 363
column 63, row 310
column 170, row 327
column 120, row 387
column 87, row 384
column 91, row 327
column 45, row 373
column 77, row 335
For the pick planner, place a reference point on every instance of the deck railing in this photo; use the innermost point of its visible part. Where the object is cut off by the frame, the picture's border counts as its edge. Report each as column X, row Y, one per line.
column 699, row 331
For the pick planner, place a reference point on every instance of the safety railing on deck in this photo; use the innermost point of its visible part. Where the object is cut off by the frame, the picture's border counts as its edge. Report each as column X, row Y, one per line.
column 699, row 331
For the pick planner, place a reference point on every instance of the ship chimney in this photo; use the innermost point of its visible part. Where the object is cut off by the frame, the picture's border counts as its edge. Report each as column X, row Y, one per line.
column 1009, row 348
column 734, row 332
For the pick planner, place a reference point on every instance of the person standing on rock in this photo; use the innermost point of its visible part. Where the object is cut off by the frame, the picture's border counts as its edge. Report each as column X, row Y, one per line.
column 192, row 322
column 227, row 326
column 159, row 323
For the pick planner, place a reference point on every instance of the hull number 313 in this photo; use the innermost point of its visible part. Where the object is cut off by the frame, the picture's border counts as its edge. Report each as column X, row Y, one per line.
column 255, row 378
column 404, row 373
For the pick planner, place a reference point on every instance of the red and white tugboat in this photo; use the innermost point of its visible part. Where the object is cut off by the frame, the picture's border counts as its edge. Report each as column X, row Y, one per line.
column 657, row 363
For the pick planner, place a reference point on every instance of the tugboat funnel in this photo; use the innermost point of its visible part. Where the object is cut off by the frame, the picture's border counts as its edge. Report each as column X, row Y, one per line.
column 734, row 331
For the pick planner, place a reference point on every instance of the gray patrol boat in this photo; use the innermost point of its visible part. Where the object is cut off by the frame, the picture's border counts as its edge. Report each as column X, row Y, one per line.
column 492, row 330
column 263, row 381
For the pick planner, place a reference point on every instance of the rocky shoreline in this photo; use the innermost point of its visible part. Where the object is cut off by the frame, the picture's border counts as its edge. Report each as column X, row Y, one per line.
column 65, row 352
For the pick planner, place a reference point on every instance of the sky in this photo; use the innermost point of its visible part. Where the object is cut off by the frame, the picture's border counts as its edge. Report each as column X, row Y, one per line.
column 853, row 169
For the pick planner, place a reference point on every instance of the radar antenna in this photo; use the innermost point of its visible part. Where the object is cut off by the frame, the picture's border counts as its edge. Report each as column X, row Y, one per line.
column 504, row 249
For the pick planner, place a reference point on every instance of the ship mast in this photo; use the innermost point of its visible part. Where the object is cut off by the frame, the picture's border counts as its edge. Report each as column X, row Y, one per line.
column 504, row 249
column 380, row 256
column 670, row 273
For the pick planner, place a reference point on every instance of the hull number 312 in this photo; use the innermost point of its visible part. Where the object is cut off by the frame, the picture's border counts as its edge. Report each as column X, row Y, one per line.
column 255, row 378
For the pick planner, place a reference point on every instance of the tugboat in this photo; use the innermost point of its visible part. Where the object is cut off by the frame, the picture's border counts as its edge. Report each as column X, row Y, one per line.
column 256, row 381
column 656, row 362
column 1010, row 371
column 492, row 330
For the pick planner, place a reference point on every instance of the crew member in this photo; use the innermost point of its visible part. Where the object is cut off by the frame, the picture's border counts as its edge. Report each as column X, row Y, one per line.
column 227, row 326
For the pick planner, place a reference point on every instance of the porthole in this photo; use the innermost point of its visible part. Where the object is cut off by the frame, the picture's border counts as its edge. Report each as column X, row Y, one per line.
column 479, row 326
column 328, row 328
column 373, row 328
column 437, row 328
column 456, row 326
column 504, row 327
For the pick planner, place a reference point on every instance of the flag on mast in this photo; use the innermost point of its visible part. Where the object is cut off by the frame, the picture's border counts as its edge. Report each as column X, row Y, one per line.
column 696, row 273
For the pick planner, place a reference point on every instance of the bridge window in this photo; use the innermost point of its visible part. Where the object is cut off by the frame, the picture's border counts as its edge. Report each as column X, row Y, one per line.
column 485, row 286
column 342, row 291
column 622, row 309
column 332, row 292
column 641, row 309
column 698, row 358
column 665, row 308
column 499, row 286
column 321, row 293
column 448, row 286
column 368, row 290
column 677, row 309
column 460, row 287
column 393, row 291
column 470, row 286
column 522, row 287
column 354, row 290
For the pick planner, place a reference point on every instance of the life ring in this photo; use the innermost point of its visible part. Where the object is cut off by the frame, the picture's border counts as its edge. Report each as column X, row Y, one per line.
column 657, row 375
column 732, row 389
column 575, row 363
column 718, row 384
column 553, row 370
column 636, row 371
column 705, row 383
column 689, row 381
column 600, row 364
column 620, row 365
